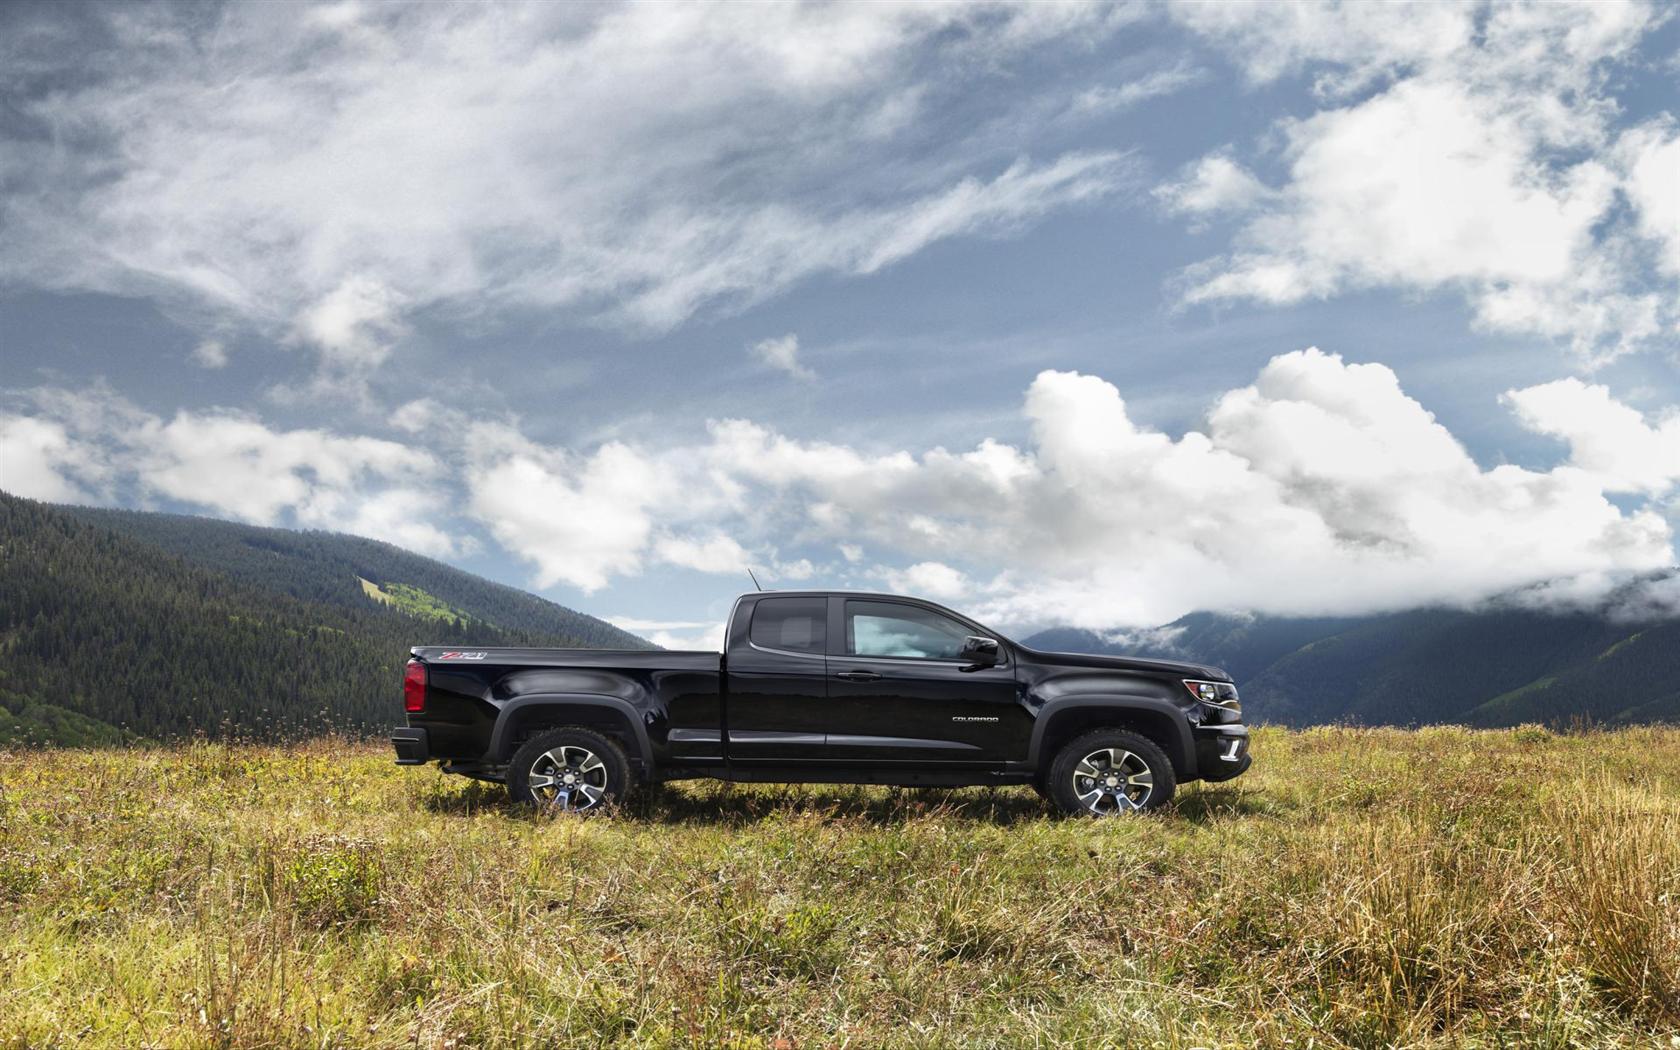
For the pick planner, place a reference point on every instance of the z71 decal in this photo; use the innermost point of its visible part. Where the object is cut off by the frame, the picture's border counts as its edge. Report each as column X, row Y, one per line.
column 462, row 656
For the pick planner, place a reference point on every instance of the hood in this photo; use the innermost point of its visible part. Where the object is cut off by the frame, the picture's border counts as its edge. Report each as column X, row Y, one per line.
column 1127, row 663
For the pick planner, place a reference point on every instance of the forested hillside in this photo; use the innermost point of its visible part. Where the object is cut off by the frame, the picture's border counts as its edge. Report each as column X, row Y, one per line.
column 1492, row 667
column 168, row 626
column 326, row 567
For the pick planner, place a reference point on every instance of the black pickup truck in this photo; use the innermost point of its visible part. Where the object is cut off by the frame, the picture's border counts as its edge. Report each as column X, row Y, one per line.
column 830, row 687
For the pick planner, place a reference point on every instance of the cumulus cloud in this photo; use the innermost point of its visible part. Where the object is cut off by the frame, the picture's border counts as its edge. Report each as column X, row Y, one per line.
column 1485, row 163
column 783, row 354
column 353, row 326
column 715, row 553
column 579, row 519
column 1650, row 156
column 1611, row 441
column 325, row 172
column 81, row 447
column 1213, row 184
column 38, row 460
column 930, row 579
column 1322, row 487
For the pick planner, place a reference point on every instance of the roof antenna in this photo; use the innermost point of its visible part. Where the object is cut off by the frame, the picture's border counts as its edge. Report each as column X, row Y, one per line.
column 754, row 579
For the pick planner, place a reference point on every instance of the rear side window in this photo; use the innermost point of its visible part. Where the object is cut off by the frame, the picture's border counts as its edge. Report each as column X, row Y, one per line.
column 796, row 624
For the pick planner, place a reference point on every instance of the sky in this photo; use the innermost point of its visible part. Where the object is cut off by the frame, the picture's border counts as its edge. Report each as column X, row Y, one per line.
column 1059, row 314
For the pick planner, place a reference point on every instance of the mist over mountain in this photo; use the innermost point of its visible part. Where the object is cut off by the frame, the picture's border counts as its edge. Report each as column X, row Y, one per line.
column 1501, row 665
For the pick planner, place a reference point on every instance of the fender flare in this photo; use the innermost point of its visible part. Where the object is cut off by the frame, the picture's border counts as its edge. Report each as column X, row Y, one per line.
column 1182, row 754
column 501, row 737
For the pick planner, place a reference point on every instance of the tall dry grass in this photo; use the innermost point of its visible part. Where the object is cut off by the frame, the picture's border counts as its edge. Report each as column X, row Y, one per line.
column 1360, row 888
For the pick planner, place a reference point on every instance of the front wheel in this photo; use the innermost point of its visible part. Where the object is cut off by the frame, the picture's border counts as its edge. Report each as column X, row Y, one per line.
column 1110, row 772
column 569, row 770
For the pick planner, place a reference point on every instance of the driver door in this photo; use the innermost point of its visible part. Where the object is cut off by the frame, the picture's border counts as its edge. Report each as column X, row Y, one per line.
column 897, row 691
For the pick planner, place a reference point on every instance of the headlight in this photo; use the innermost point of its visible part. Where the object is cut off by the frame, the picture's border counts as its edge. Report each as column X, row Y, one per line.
column 1215, row 694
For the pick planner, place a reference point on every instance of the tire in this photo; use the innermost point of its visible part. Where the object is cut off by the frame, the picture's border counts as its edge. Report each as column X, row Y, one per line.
column 600, row 774
column 1078, row 781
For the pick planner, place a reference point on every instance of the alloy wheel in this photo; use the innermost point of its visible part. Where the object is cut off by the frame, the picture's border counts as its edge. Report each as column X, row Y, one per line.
column 1113, row 781
column 568, row 778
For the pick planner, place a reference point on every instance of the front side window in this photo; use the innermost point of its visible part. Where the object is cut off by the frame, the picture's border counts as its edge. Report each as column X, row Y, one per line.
column 795, row 624
column 891, row 629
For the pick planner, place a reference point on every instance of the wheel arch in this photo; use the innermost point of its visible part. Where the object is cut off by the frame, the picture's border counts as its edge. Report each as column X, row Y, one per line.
column 612, row 715
column 1162, row 722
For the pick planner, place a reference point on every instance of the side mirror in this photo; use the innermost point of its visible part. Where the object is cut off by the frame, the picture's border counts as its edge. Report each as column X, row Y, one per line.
column 979, row 652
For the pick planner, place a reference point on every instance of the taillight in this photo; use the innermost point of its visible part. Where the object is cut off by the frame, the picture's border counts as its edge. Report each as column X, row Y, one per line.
column 414, row 687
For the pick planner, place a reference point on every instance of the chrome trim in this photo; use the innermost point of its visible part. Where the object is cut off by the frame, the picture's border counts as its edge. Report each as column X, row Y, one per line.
column 774, row 736
column 781, row 652
column 855, row 740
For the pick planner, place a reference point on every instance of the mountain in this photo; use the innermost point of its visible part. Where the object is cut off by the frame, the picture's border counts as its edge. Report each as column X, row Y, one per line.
column 1244, row 646
column 1491, row 667
column 116, row 624
column 331, row 568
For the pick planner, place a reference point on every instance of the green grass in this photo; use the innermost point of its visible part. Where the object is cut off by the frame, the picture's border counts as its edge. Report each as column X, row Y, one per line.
column 1439, row 887
column 1507, row 700
column 1629, row 640
column 413, row 601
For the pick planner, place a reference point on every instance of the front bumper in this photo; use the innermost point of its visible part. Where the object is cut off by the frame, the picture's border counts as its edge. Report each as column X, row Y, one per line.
column 1222, row 752
column 413, row 747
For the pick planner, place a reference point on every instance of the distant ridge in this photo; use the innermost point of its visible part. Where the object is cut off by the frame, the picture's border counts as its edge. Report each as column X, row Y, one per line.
column 119, row 624
column 329, row 566
column 1499, row 666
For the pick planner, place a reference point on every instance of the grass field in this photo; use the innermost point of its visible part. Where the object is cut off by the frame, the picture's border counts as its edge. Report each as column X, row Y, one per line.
column 1359, row 888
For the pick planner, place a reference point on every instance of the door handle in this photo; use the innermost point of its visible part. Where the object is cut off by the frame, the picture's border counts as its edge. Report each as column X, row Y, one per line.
column 859, row 676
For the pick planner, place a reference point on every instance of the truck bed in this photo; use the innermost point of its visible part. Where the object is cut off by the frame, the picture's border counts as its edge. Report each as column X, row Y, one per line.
column 663, row 659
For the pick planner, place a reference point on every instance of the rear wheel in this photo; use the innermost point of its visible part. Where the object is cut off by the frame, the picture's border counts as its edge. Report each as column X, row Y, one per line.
column 569, row 770
column 1110, row 772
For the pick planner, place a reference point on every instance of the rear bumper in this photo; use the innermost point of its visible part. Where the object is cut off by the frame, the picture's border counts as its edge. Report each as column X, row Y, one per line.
column 1222, row 752
column 412, row 746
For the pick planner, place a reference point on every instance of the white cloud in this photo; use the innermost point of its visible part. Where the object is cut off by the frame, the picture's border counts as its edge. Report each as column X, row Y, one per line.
column 793, row 571
column 1114, row 98
column 1488, row 166
column 326, row 175
column 352, row 326
column 1320, row 488
column 1608, row 439
column 783, row 354
column 581, row 520
column 715, row 553
column 210, row 353
column 1215, row 183
column 78, row 446
column 674, row 634
column 1362, row 40
column 1651, row 155
column 930, row 579
column 36, row 457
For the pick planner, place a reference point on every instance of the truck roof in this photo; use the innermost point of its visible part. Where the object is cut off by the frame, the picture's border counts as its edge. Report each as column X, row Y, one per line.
column 848, row 594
